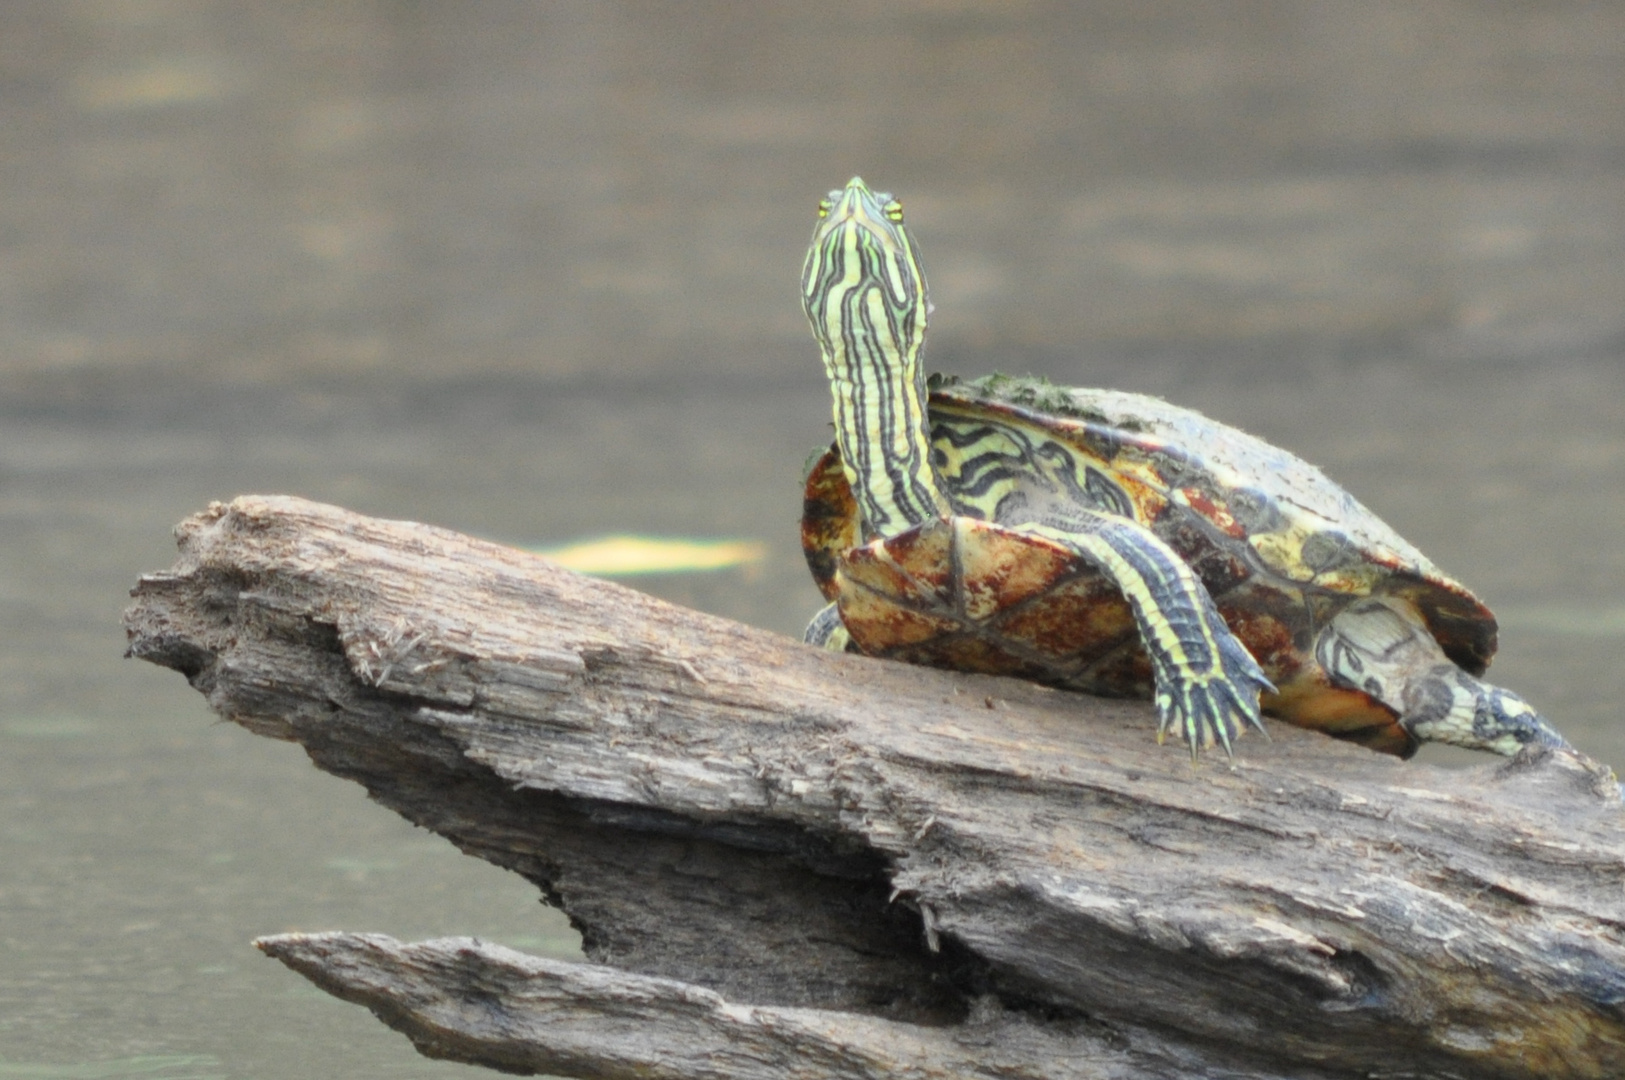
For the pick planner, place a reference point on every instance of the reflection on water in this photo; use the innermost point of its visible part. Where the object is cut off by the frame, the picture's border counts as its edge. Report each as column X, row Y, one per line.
column 635, row 556
column 529, row 271
column 156, row 1067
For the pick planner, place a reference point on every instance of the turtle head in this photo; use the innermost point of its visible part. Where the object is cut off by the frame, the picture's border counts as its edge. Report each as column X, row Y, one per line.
column 864, row 293
column 862, row 258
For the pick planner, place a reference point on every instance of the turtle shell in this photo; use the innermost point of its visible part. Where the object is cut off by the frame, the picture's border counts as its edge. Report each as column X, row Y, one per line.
column 1280, row 548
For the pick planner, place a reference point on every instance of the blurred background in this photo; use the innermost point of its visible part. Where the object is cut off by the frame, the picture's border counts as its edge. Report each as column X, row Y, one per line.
column 528, row 270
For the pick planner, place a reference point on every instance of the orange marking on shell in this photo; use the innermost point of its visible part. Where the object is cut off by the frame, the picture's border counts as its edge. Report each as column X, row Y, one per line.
column 1217, row 513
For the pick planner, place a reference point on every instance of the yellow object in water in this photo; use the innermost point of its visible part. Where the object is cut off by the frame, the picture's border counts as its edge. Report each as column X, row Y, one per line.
column 621, row 556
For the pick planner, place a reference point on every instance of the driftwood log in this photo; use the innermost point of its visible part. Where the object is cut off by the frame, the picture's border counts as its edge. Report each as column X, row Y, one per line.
column 788, row 863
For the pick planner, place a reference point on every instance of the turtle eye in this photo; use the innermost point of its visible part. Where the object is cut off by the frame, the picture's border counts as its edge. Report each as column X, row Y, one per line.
column 893, row 211
column 824, row 207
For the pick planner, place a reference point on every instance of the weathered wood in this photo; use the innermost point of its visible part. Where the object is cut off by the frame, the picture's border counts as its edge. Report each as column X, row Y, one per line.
column 462, row 999
column 796, row 830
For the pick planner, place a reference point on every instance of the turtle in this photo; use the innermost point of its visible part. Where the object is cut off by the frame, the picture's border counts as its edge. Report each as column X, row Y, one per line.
column 1112, row 543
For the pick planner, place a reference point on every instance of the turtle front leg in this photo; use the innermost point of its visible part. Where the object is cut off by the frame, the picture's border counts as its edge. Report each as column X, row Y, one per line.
column 1381, row 646
column 1207, row 683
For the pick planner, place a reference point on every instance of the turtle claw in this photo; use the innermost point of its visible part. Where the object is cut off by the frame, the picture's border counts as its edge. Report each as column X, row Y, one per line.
column 1213, row 707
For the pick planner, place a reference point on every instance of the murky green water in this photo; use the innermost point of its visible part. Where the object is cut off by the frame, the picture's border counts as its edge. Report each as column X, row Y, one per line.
column 528, row 271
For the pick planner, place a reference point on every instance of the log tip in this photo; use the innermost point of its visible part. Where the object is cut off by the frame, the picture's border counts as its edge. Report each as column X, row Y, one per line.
column 1564, row 771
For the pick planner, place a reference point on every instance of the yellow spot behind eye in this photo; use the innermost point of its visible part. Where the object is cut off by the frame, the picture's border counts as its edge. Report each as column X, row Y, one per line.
column 616, row 556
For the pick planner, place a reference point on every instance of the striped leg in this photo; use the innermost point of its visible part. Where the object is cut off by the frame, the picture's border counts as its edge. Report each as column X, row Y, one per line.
column 827, row 631
column 1207, row 684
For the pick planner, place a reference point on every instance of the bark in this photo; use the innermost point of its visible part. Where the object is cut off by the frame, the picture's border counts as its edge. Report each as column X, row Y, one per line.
column 789, row 862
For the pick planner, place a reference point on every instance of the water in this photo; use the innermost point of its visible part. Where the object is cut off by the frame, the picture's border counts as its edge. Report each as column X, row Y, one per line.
column 528, row 271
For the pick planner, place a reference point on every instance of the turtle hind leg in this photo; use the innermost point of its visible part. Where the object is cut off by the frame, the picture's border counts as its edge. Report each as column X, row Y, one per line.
column 827, row 631
column 1380, row 646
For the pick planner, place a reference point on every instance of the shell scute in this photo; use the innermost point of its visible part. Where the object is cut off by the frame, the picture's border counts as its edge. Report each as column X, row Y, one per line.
column 1000, row 570
column 1275, row 642
column 915, row 570
column 1073, row 622
column 925, row 557
column 1122, row 672
column 972, row 652
column 884, row 629
column 883, row 606
column 1223, row 574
